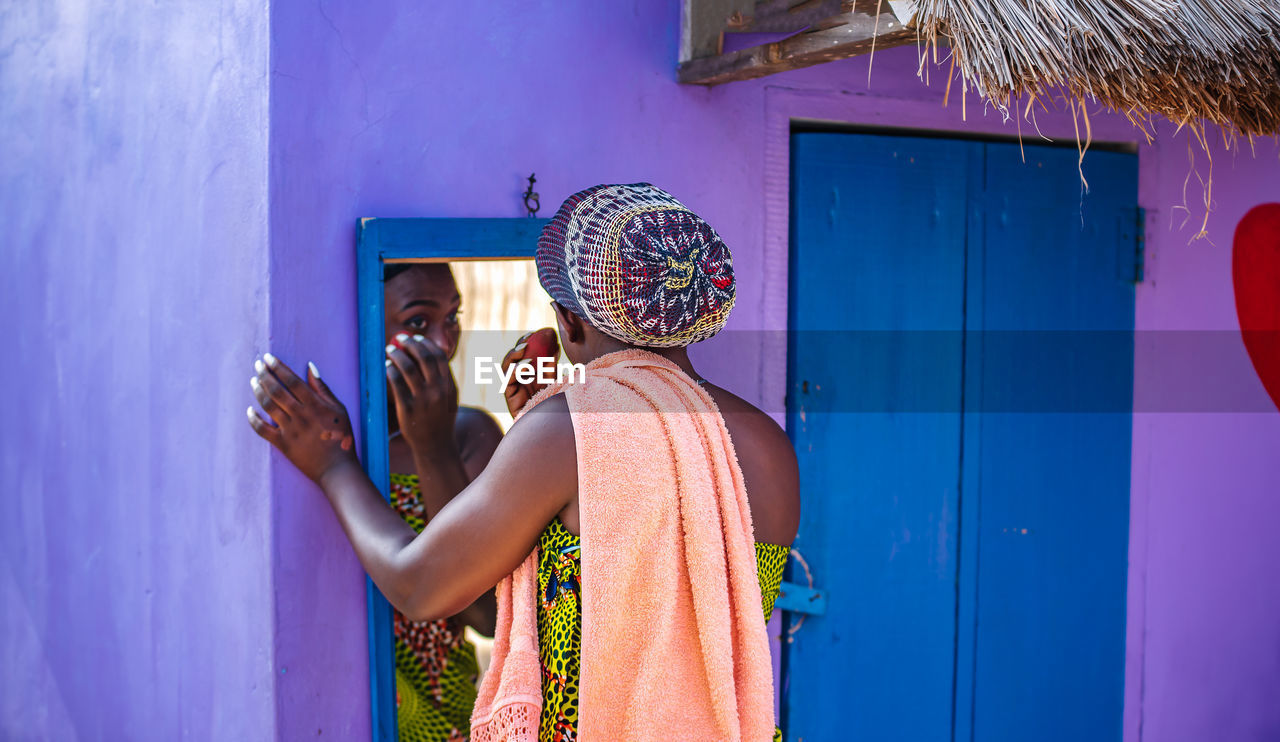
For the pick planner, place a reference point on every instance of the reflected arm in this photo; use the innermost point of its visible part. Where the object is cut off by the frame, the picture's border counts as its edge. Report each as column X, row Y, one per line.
column 479, row 435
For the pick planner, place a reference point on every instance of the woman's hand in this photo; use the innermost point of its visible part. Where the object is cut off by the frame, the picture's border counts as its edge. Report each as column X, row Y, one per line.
column 307, row 422
column 425, row 394
column 529, row 347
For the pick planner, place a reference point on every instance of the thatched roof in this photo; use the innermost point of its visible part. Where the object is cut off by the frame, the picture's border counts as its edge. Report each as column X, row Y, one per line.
column 1186, row 60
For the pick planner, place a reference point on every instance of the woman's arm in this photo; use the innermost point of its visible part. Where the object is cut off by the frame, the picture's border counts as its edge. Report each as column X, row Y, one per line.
column 426, row 400
column 450, row 445
column 480, row 435
column 485, row 532
column 473, row 542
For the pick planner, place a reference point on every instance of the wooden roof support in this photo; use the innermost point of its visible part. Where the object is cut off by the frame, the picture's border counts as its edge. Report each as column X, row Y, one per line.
column 788, row 16
column 846, row 34
column 704, row 24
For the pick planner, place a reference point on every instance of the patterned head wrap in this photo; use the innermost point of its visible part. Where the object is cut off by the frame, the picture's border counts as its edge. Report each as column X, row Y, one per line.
column 637, row 265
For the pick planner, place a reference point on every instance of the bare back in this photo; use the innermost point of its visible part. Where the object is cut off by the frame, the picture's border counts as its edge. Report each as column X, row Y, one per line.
column 769, row 467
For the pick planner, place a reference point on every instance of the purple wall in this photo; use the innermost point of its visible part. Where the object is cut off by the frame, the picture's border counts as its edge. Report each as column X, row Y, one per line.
column 135, row 578
column 393, row 110
column 1204, row 599
column 137, row 160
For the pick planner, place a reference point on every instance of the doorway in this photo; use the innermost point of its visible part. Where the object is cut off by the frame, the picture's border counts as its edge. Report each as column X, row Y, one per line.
column 959, row 395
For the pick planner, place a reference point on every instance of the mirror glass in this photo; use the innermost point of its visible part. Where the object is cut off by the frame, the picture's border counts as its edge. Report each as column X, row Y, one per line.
column 475, row 310
column 502, row 300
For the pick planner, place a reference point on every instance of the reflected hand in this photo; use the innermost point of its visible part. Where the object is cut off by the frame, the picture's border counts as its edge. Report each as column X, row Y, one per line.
column 530, row 346
column 425, row 394
column 306, row 423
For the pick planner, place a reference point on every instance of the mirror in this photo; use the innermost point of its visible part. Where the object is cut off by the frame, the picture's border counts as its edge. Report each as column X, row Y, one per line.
column 502, row 300
column 470, row 286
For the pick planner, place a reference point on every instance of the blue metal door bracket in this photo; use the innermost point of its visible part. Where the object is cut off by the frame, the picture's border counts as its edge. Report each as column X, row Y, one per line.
column 801, row 599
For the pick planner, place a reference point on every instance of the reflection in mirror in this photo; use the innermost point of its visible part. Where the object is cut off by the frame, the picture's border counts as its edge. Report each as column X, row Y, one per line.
column 503, row 301
column 474, row 311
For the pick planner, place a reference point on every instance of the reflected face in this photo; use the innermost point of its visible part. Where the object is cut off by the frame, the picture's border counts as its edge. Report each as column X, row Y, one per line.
column 424, row 300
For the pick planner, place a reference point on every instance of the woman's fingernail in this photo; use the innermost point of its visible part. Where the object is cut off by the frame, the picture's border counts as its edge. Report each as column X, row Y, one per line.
column 315, row 372
column 388, row 363
column 253, row 382
column 257, row 366
column 270, row 359
column 249, row 412
column 419, row 338
column 402, row 337
column 390, row 348
column 521, row 346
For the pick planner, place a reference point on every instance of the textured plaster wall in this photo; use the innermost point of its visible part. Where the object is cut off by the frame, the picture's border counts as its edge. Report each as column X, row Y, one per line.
column 1204, row 603
column 405, row 109
column 393, row 109
column 135, row 576
column 163, row 578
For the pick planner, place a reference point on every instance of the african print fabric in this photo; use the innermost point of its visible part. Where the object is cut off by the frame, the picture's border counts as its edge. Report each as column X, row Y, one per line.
column 436, row 666
column 560, row 623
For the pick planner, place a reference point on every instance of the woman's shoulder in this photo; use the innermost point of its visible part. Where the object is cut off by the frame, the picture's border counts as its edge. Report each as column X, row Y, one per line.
column 474, row 418
column 751, row 426
column 769, row 467
column 478, row 435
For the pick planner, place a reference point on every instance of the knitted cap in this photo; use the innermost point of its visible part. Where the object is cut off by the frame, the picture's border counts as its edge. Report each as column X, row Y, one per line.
column 637, row 265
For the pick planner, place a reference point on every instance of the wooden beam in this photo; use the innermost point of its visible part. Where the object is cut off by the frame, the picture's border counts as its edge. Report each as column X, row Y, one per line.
column 839, row 37
column 788, row 16
column 703, row 25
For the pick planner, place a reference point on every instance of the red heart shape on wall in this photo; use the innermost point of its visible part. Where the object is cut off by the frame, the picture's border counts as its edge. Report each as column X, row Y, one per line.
column 1255, row 272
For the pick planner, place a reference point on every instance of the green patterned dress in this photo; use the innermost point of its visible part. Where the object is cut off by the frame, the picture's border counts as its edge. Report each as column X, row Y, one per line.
column 436, row 666
column 560, row 623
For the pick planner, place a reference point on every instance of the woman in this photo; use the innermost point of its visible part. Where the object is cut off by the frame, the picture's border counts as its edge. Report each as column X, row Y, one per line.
column 620, row 653
column 436, row 666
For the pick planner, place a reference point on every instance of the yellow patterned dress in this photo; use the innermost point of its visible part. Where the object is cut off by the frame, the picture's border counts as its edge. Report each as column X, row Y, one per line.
column 560, row 623
column 436, row 666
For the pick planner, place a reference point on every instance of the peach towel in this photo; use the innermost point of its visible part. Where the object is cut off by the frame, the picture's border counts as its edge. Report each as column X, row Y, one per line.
column 673, row 640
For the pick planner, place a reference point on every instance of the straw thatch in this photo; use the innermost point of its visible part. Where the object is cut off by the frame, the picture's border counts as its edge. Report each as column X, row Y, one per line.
column 1187, row 60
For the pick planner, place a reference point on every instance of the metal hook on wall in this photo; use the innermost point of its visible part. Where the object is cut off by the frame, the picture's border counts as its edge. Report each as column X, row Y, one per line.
column 530, row 198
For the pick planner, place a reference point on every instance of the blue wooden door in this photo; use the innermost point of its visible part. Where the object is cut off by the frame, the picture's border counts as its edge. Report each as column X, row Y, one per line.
column 960, row 372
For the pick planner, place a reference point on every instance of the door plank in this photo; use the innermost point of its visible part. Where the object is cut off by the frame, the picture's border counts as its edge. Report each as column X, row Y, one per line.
column 1054, row 397
column 873, row 410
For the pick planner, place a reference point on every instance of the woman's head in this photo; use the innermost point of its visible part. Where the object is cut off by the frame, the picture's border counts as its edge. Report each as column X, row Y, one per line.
column 422, row 299
column 636, row 265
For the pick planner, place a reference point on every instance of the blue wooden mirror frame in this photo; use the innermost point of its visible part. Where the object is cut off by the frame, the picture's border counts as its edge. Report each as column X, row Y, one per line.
column 381, row 241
